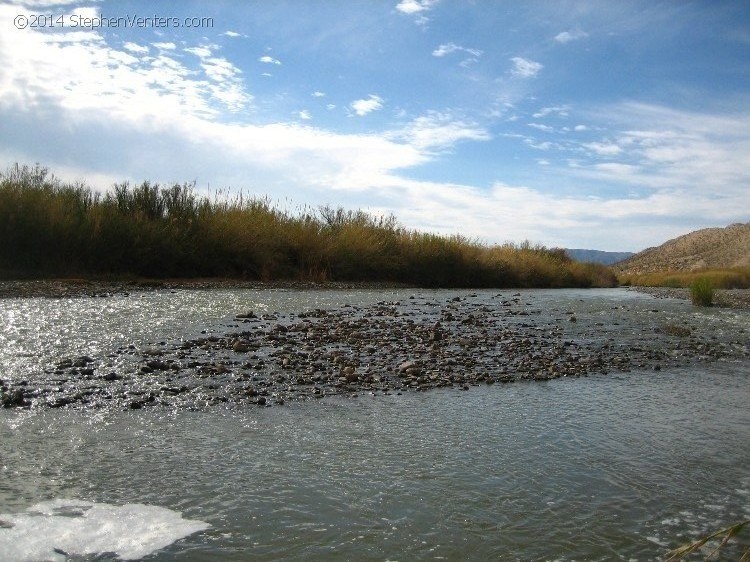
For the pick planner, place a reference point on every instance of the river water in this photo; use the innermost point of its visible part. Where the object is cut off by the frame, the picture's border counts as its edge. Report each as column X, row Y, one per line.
column 621, row 466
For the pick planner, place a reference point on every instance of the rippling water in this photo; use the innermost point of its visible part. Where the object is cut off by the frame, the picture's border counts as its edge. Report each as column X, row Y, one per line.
column 623, row 466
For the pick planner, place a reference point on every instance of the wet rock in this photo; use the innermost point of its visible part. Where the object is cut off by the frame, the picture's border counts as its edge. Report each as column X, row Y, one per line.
column 12, row 398
column 82, row 361
column 157, row 365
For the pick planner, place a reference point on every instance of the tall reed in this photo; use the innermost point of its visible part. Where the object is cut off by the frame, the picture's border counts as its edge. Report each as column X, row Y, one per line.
column 52, row 228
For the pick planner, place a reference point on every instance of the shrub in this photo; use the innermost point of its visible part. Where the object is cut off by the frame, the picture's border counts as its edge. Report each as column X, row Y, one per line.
column 702, row 292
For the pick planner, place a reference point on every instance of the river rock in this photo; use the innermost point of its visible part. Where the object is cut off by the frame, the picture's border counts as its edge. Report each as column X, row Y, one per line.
column 12, row 398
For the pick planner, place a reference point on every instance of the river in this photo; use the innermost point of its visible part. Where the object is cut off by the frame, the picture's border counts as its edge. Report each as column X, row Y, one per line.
column 617, row 466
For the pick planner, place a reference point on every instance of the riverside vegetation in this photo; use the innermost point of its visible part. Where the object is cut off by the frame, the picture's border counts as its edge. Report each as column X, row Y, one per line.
column 54, row 229
column 726, row 287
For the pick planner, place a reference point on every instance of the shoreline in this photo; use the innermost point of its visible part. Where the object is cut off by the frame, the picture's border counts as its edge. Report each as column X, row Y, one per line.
column 85, row 287
column 78, row 288
column 723, row 298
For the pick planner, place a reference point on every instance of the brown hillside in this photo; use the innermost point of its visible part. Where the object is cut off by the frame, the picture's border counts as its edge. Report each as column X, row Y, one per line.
column 713, row 248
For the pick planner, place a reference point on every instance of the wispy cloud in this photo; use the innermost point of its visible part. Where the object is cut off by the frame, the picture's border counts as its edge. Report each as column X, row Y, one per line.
column 269, row 60
column 542, row 127
column 304, row 115
column 364, row 106
column 135, row 48
column 670, row 149
column 233, row 34
column 411, row 7
column 416, row 8
column 560, row 111
column 448, row 48
column 439, row 131
column 568, row 36
column 202, row 51
column 525, row 68
column 318, row 94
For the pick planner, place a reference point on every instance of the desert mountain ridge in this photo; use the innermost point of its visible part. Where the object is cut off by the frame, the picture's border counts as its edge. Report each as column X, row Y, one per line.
column 597, row 256
column 708, row 248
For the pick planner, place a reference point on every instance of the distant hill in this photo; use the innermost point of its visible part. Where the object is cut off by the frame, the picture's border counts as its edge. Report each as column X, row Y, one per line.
column 597, row 256
column 709, row 248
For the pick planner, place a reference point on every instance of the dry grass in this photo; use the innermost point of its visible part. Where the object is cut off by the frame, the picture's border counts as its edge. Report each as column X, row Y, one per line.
column 736, row 278
column 724, row 535
column 54, row 229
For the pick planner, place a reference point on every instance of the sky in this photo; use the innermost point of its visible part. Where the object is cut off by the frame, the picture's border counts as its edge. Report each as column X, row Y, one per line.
column 602, row 124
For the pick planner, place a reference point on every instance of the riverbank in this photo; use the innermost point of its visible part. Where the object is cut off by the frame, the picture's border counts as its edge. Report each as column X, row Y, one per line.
column 77, row 288
column 727, row 298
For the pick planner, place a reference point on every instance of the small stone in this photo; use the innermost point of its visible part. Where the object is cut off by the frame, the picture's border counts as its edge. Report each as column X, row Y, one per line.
column 240, row 347
column 406, row 365
column 82, row 361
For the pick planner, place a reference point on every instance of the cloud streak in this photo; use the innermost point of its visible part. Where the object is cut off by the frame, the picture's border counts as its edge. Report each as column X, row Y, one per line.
column 364, row 106
column 525, row 68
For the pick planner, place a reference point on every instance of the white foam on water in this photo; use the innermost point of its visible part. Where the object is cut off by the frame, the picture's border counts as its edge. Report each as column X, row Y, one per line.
column 54, row 530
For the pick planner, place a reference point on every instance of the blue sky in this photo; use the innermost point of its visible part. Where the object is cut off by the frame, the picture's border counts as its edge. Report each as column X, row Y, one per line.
column 593, row 124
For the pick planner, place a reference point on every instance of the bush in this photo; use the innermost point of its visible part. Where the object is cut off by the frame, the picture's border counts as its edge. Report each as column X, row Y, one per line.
column 702, row 292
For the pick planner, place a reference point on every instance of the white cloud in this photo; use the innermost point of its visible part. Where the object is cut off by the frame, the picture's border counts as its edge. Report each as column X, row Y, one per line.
column 364, row 106
column 580, row 128
column 541, row 127
column 560, row 111
column 445, row 49
column 269, row 60
column 448, row 48
column 165, row 46
column 304, row 115
column 603, row 148
column 439, row 131
column 318, row 94
column 201, row 52
column 416, row 8
column 411, row 7
column 76, row 70
column 135, row 48
column 233, row 34
column 686, row 160
column 567, row 36
column 546, row 145
column 525, row 68
column 83, row 13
